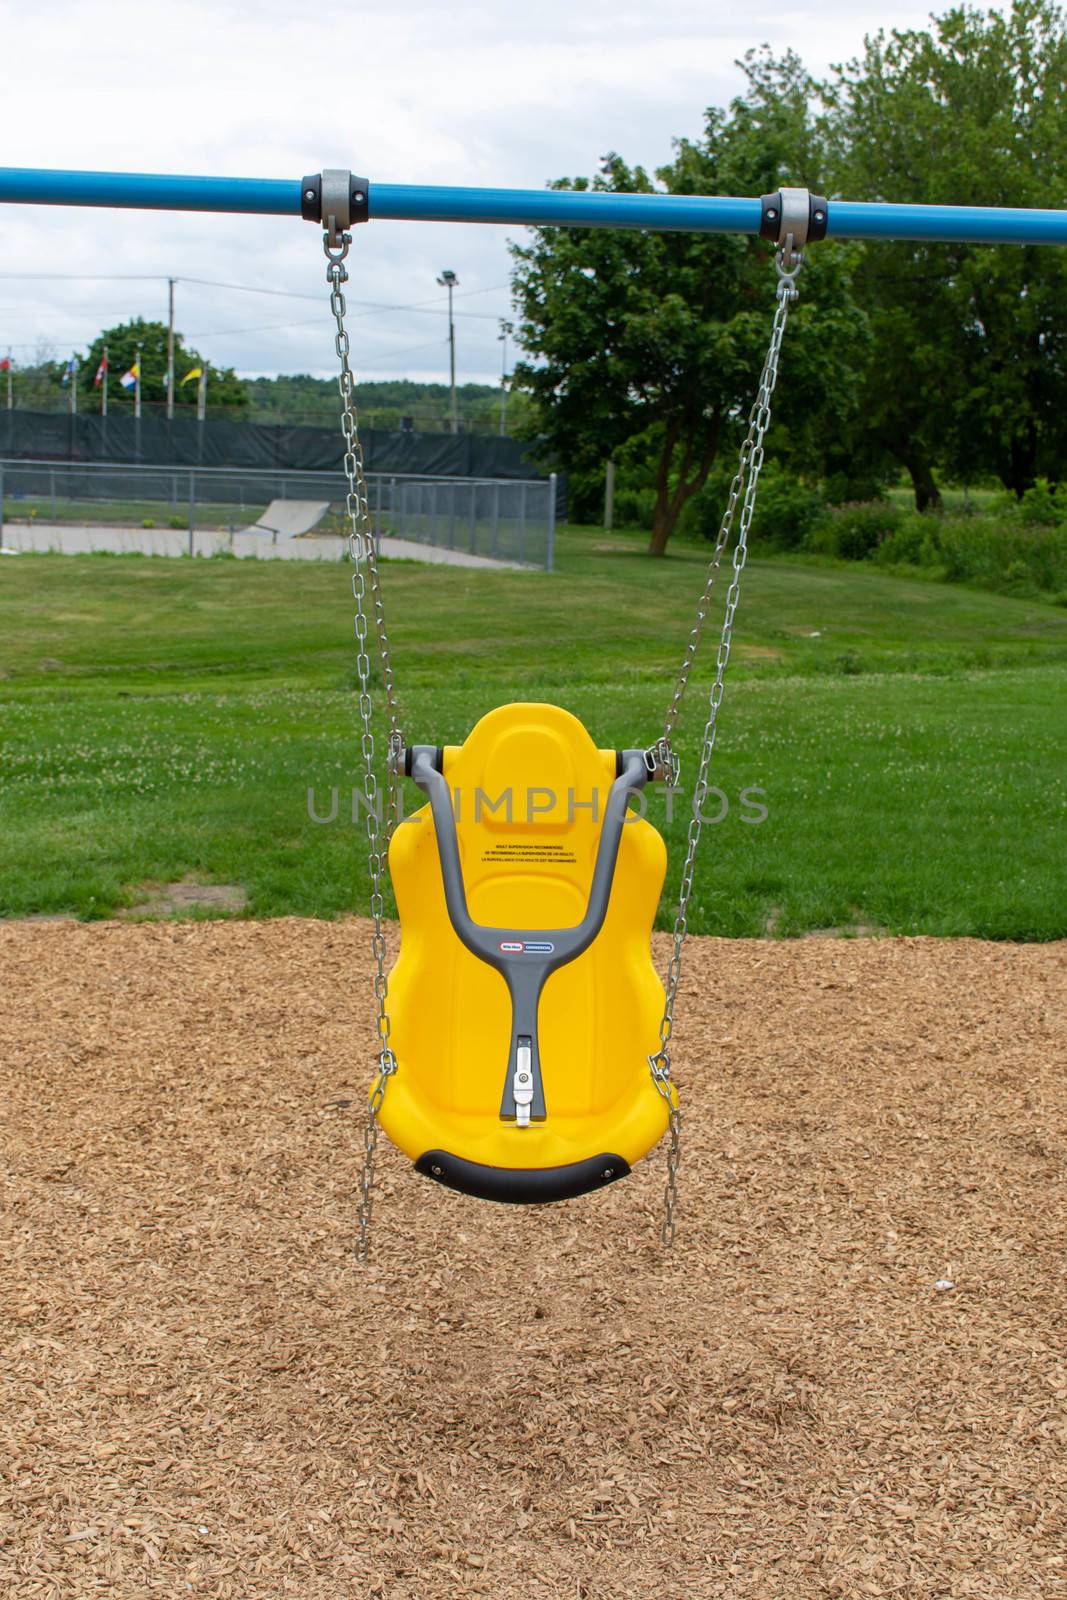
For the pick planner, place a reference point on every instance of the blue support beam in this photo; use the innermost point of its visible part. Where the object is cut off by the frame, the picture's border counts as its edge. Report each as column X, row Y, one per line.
column 150, row 191
column 565, row 208
column 857, row 219
column 847, row 219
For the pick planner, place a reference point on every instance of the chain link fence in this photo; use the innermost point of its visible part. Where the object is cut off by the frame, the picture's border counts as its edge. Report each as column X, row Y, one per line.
column 488, row 519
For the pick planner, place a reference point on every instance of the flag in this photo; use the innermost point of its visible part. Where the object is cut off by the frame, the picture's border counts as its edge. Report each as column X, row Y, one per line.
column 5, row 364
column 129, row 379
column 68, row 371
column 189, row 376
column 101, row 372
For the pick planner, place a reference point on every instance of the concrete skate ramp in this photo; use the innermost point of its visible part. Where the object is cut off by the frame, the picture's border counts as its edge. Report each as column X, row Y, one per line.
column 287, row 518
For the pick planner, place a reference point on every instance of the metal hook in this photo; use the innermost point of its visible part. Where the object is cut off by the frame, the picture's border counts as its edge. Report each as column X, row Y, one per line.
column 787, row 263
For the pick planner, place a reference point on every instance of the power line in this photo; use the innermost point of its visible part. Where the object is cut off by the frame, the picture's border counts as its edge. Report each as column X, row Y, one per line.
column 295, row 294
column 371, row 306
column 369, row 364
column 264, row 327
column 91, row 277
column 316, row 322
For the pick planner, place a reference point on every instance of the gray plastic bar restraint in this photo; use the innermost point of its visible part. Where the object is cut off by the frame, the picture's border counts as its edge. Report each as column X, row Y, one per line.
column 506, row 949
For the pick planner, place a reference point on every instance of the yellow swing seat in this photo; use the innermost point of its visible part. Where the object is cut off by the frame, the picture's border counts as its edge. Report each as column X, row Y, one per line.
column 524, row 1005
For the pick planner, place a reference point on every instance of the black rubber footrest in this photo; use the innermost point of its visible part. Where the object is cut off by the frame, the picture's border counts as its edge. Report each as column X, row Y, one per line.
column 521, row 1186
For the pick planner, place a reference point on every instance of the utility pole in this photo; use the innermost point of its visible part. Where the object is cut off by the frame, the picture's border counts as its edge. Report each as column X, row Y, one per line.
column 170, row 350
column 449, row 281
column 503, row 337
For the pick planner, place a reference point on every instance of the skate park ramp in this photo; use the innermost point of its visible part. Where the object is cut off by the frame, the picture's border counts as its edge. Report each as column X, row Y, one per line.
column 288, row 518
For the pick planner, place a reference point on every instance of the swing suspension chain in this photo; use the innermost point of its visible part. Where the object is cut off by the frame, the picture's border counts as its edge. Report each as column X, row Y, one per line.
column 660, row 756
column 379, row 830
column 743, row 489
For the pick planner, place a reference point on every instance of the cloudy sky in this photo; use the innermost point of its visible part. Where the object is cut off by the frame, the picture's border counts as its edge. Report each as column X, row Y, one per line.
column 494, row 94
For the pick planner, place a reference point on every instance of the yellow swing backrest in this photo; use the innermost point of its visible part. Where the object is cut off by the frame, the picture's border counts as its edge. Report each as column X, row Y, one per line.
column 529, row 792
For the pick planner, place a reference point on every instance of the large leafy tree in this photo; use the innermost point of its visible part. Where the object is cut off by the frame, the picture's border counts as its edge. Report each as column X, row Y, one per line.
column 224, row 387
column 969, row 341
column 653, row 342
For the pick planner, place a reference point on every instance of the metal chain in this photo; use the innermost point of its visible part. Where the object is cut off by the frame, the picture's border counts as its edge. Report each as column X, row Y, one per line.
column 364, row 559
column 787, row 293
column 743, row 488
column 363, row 555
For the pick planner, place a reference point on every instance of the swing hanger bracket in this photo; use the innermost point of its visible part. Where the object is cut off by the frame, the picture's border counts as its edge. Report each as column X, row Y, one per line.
column 662, row 764
column 337, row 199
column 793, row 218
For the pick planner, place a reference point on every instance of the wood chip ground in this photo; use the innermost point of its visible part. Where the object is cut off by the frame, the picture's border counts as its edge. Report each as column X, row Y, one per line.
column 204, row 1395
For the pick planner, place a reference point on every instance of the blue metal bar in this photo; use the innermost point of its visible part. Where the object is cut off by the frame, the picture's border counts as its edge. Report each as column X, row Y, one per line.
column 566, row 208
column 858, row 219
column 150, row 191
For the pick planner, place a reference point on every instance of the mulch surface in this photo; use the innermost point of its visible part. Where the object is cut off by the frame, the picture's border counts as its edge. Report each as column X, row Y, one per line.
column 203, row 1394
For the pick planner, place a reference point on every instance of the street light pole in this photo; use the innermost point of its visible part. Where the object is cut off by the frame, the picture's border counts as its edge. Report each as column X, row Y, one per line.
column 170, row 350
column 503, row 337
column 449, row 281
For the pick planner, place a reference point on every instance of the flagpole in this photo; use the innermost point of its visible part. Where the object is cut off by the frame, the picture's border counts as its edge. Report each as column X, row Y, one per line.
column 10, row 383
column 137, row 386
column 201, row 394
column 73, row 387
column 103, row 387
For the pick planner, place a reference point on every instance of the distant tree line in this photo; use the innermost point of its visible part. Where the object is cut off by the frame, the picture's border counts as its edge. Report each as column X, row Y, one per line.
column 937, row 361
column 386, row 403
column 291, row 399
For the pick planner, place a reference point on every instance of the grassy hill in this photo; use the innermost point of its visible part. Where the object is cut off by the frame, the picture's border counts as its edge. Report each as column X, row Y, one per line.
column 164, row 718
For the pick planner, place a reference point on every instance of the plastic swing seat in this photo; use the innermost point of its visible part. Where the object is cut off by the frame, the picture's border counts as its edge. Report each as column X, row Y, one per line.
column 524, row 1004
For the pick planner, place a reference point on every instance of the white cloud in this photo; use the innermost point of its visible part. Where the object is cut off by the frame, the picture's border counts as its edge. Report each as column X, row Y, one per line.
column 491, row 94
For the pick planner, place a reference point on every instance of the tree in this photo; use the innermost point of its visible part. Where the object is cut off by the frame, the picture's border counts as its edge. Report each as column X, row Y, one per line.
column 224, row 387
column 34, row 381
column 654, row 341
column 970, row 341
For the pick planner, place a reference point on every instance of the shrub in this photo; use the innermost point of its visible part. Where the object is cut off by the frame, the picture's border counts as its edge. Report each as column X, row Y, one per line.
column 1041, row 506
column 854, row 532
column 1002, row 554
column 786, row 509
column 634, row 507
column 149, row 522
column 846, row 488
column 178, row 522
column 913, row 542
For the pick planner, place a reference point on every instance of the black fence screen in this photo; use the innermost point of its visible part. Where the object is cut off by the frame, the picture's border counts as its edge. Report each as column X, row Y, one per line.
column 184, row 442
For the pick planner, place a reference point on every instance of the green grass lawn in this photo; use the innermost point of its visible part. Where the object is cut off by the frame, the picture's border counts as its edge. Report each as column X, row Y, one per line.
column 166, row 718
column 131, row 513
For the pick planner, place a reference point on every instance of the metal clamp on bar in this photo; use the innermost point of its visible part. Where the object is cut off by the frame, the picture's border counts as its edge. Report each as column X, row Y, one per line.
column 796, row 214
column 336, row 198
